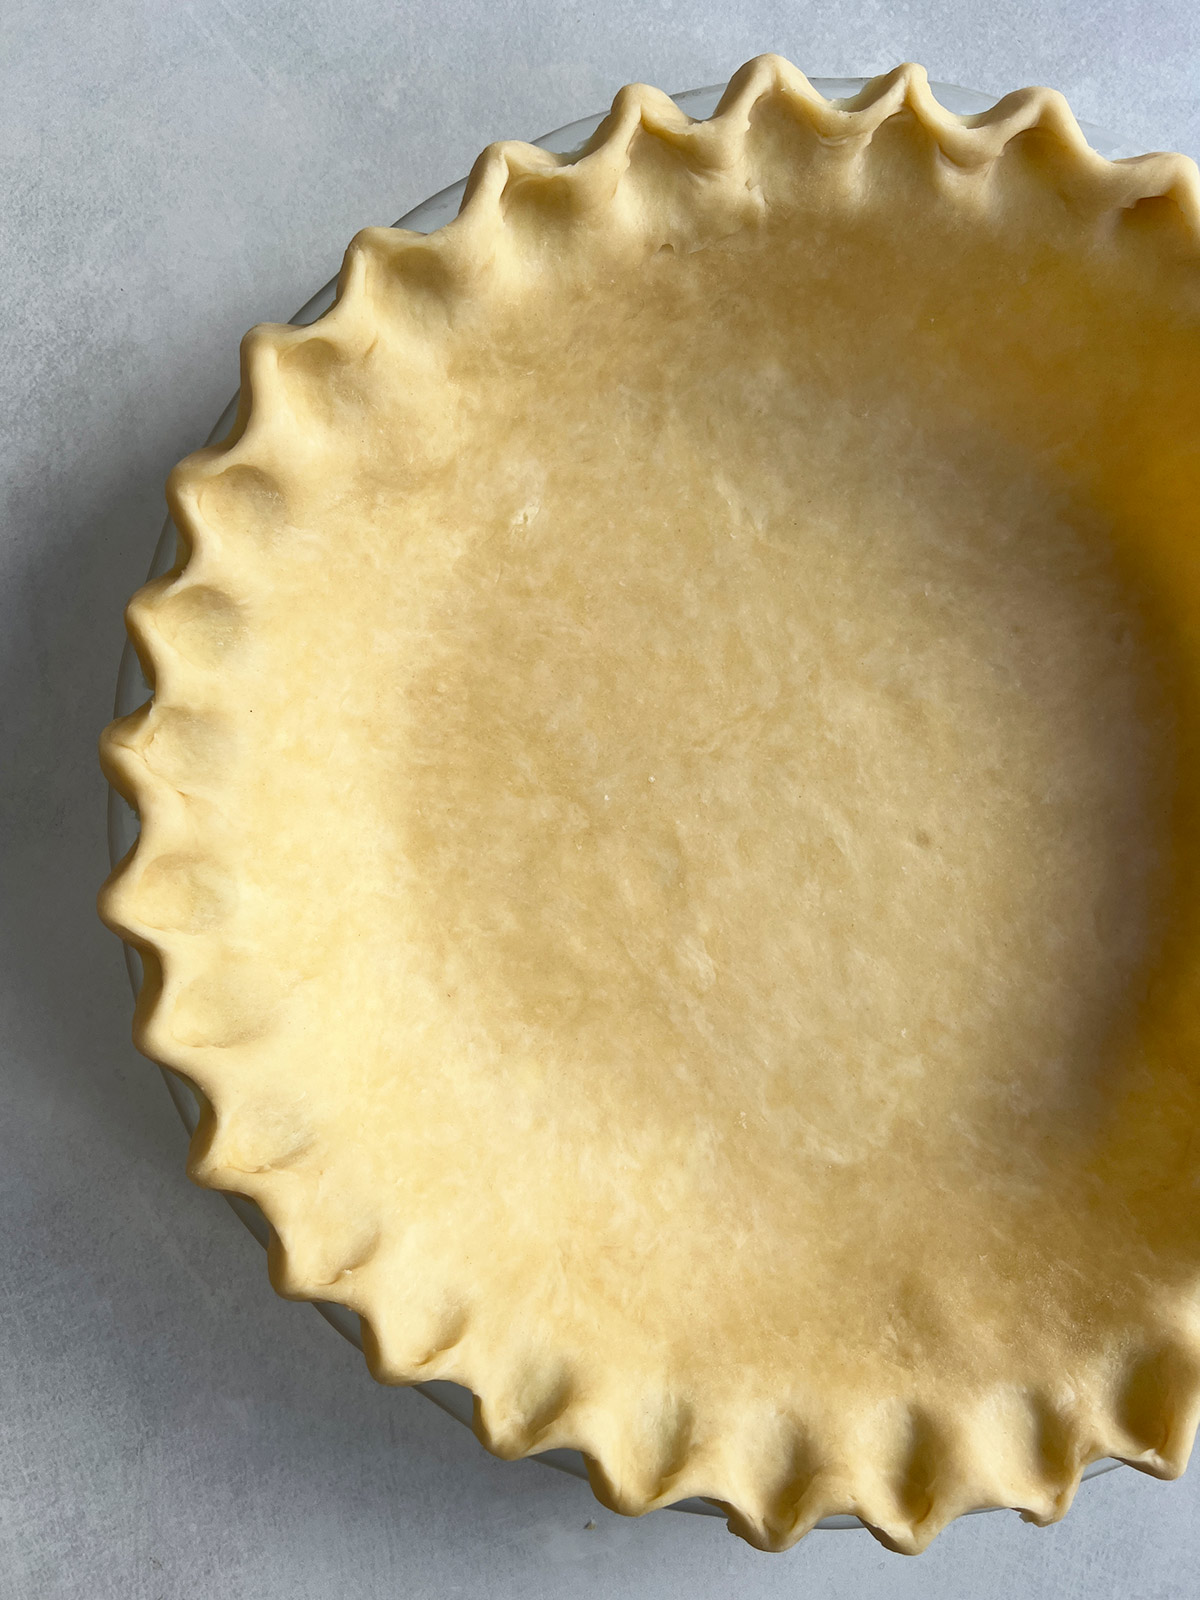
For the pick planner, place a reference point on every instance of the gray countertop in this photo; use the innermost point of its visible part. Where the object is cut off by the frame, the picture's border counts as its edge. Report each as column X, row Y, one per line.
column 173, row 173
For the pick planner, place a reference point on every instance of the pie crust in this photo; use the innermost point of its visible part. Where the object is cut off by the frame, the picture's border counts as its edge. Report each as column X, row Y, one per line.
column 667, row 808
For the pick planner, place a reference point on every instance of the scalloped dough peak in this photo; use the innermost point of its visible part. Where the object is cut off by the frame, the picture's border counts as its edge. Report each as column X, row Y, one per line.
column 666, row 804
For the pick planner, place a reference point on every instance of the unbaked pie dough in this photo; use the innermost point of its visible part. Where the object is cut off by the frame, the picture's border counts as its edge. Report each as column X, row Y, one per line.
column 669, row 807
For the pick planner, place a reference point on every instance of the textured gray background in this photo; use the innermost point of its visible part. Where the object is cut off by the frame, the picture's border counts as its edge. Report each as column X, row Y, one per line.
column 173, row 173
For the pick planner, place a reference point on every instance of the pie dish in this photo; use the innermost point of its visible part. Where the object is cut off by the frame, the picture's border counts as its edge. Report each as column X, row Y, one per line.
column 666, row 807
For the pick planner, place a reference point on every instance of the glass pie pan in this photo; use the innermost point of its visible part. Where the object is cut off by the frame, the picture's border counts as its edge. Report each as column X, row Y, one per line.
column 132, row 691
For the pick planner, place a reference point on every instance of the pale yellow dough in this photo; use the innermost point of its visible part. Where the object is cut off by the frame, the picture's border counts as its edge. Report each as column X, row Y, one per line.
column 669, row 804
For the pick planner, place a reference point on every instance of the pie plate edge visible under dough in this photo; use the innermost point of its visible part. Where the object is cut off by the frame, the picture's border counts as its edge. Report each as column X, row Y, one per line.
column 973, row 142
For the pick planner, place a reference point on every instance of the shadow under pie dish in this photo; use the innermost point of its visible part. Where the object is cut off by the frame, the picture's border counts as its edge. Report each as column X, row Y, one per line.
column 667, row 807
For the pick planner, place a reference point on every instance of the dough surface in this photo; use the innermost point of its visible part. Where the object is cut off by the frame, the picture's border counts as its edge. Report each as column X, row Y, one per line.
column 668, row 804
